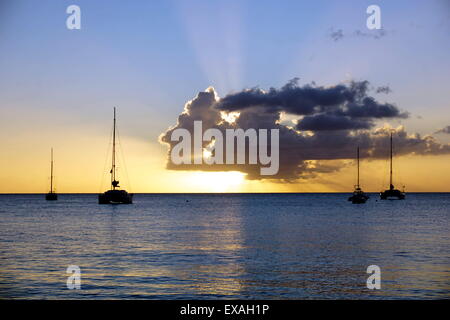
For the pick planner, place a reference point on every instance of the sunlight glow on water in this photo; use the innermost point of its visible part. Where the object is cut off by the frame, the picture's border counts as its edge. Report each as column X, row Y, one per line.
column 225, row 246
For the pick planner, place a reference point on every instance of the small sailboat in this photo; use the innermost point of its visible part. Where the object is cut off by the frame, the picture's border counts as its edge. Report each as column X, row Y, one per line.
column 114, row 195
column 358, row 195
column 51, row 196
column 392, row 193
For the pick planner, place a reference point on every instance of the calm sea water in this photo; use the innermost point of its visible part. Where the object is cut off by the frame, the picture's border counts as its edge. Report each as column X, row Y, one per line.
column 266, row 246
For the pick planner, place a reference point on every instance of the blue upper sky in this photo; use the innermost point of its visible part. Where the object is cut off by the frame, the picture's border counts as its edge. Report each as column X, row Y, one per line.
column 150, row 57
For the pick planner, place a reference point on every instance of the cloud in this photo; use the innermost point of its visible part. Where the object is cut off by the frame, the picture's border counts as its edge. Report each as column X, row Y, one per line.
column 384, row 89
column 331, row 122
column 337, row 35
column 444, row 130
column 339, row 107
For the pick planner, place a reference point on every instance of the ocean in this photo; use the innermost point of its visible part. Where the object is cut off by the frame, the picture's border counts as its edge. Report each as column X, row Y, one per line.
column 225, row 246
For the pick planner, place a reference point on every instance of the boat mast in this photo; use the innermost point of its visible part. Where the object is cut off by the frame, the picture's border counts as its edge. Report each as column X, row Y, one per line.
column 113, row 169
column 51, row 172
column 357, row 184
column 390, row 174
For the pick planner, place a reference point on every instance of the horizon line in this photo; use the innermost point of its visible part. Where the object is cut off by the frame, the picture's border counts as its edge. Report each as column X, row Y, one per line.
column 174, row 193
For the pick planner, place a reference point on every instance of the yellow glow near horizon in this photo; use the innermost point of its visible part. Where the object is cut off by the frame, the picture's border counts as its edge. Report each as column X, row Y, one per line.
column 80, row 160
column 217, row 181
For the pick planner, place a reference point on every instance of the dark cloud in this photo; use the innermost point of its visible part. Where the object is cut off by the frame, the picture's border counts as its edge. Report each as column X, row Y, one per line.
column 444, row 130
column 384, row 89
column 331, row 122
column 293, row 99
column 340, row 107
column 368, row 108
column 337, row 35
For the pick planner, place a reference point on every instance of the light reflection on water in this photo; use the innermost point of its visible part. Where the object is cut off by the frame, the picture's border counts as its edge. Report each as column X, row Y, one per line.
column 225, row 246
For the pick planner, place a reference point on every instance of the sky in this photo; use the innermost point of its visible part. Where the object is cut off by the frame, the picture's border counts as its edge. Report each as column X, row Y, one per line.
column 149, row 58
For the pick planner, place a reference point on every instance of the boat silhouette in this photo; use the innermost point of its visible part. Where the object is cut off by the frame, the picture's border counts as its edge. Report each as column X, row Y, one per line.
column 391, row 193
column 358, row 195
column 51, row 195
column 115, row 195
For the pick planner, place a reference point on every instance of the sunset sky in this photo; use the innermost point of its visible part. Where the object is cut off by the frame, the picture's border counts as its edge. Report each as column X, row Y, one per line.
column 58, row 87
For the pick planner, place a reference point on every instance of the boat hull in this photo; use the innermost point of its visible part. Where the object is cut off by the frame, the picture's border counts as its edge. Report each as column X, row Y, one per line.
column 115, row 197
column 51, row 196
column 392, row 194
column 358, row 197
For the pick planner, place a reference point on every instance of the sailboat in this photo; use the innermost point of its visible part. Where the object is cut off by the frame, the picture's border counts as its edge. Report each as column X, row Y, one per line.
column 358, row 195
column 51, row 196
column 391, row 193
column 115, row 195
